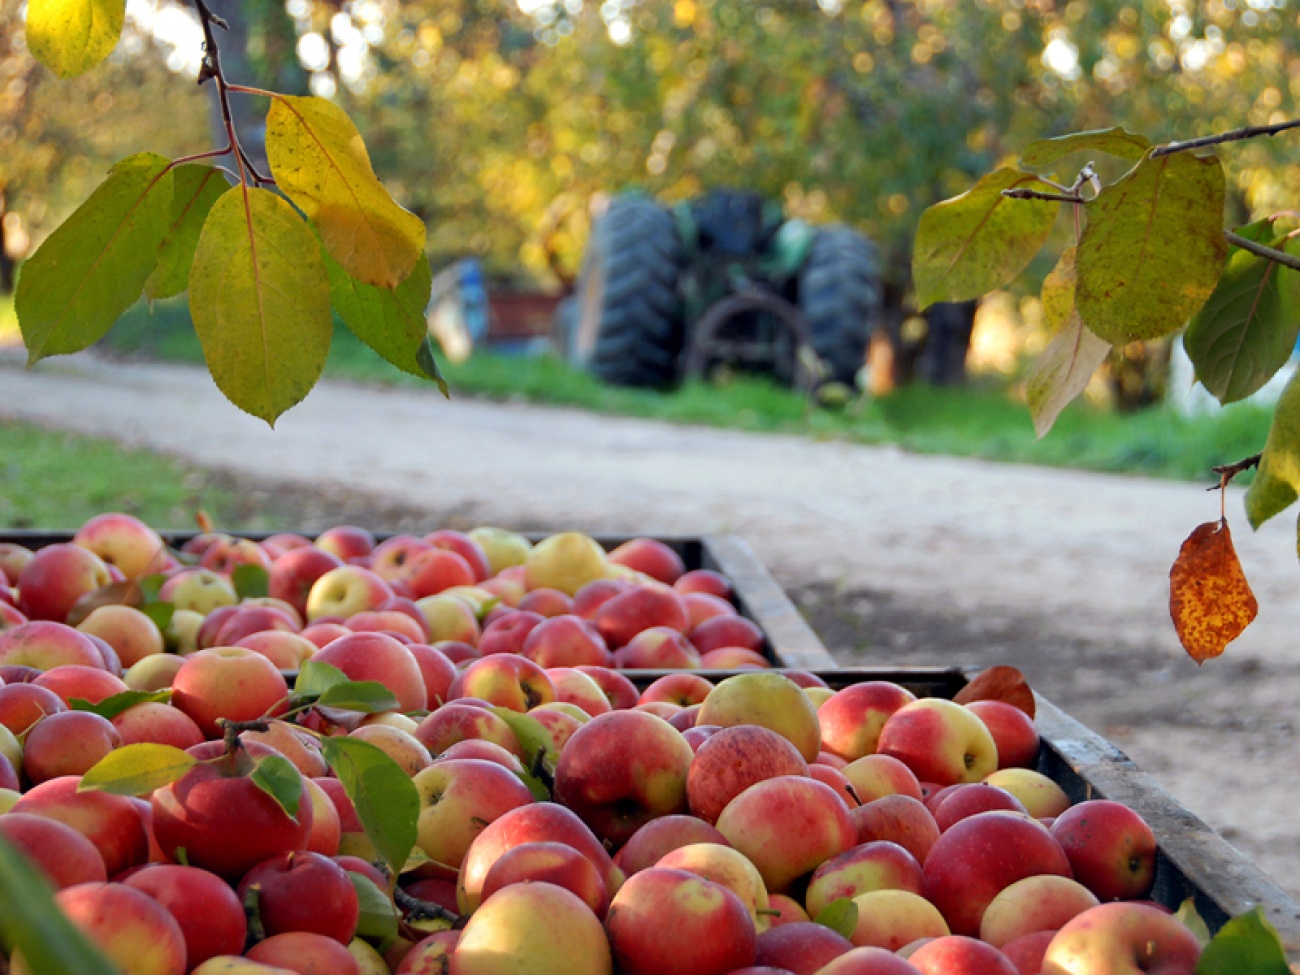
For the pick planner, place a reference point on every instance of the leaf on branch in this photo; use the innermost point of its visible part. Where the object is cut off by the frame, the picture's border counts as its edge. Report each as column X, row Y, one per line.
column 389, row 320
column 1247, row 328
column 259, row 298
column 1277, row 482
column 1057, row 296
column 1062, row 372
column 319, row 160
column 94, row 266
column 1113, row 142
column 194, row 190
column 1209, row 598
column 278, row 778
column 969, row 245
column 72, row 36
column 377, row 920
column 1153, row 248
column 110, row 707
column 1246, row 944
column 137, row 770
column 385, row 798
column 1000, row 683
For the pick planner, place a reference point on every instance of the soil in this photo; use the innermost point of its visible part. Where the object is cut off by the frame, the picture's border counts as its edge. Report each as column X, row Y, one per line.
column 893, row 557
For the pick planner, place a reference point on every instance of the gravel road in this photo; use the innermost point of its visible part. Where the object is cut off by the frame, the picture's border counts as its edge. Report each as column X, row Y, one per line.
column 895, row 557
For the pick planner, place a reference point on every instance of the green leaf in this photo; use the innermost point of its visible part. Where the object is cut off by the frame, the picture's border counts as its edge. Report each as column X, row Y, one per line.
column 427, row 360
column 969, row 245
column 136, row 770
column 1113, row 142
column 365, row 696
column 1057, row 296
column 535, row 785
column 259, row 298
column 72, row 36
column 1246, row 945
column 1277, row 483
column 1247, row 328
column 532, row 736
column 93, row 267
column 1152, row 250
column 33, row 926
column 389, row 320
column 1192, row 920
column 1062, row 372
column 111, row 707
column 315, row 677
column 151, row 586
column 385, row 798
column 840, row 915
column 319, row 161
column 378, row 919
column 160, row 612
column 277, row 777
column 251, row 581
column 194, row 190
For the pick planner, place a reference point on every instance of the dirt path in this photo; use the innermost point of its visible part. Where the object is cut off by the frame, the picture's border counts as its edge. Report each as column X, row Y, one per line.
column 895, row 557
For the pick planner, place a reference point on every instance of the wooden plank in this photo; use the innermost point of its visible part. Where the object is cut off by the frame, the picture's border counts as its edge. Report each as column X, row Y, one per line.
column 793, row 642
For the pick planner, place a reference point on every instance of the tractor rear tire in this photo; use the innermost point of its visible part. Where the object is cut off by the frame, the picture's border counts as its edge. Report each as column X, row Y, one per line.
column 628, row 328
column 840, row 297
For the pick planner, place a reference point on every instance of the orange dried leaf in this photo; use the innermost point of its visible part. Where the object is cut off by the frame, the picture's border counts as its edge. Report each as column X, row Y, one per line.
column 999, row 684
column 1209, row 598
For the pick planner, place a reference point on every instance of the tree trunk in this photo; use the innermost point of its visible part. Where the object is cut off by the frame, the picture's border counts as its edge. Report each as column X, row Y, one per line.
column 943, row 358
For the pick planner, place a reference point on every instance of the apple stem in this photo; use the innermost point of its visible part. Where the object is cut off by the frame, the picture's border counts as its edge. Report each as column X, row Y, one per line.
column 231, row 731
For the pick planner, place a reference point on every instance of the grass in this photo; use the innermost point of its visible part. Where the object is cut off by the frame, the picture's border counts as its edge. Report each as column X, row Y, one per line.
column 56, row 481
column 984, row 420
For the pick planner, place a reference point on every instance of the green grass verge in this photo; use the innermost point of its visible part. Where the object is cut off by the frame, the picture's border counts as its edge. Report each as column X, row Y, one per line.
column 54, row 480
column 983, row 420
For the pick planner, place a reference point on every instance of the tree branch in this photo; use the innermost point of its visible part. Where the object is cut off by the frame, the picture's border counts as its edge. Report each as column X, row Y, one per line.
column 1227, row 472
column 1236, row 135
column 1023, row 193
column 211, row 69
column 1260, row 250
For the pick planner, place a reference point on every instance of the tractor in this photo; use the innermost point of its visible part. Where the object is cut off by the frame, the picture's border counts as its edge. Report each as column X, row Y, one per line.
column 667, row 293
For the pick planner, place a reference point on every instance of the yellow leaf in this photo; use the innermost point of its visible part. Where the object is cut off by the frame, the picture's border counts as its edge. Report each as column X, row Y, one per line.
column 1209, row 598
column 1062, row 372
column 259, row 297
column 72, row 36
column 319, row 161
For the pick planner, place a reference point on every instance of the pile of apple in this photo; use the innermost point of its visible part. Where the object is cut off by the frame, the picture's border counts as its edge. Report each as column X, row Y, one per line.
column 457, row 698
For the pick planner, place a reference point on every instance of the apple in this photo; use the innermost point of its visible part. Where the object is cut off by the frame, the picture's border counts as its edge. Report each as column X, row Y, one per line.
column 346, row 542
column 767, row 699
column 552, row 863
column 130, row 633
column 595, row 594
column 574, row 687
column 45, row 644
column 651, row 557
column 58, row 851
column 22, row 705
column 299, row 746
column 323, row 632
column 135, row 932
column 547, row 925
column 401, row 746
column 788, row 910
column 378, row 657
column 723, row 865
column 112, row 823
column 787, row 826
column 680, row 689
column 207, row 911
column 67, row 743
column 1111, row 849
column 657, row 648
column 449, row 618
column 852, row 718
column 1042, row 903
column 502, row 548
column 434, row 570
column 199, row 590
column 392, row 622
column 485, row 750
column 287, row 651
column 727, row 631
column 618, row 689
column 1122, row 939
column 9, row 614
column 982, row 855
column 531, row 823
column 124, row 541
column 734, row 658
column 55, row 578
column 238, row 965
column 12, row 559
column 1041, row 797
column 649, row 605
column 508, row 633
column 622, row 769
column 899, row 819
column 392, row 557
column 1026, row 952
column 659, row 837
column 458, row 721
column 732, row 760
column 326, row 823
column 957, row 955
column 565, row 641
column 303, row 891
column 665, row 920
column 869, row 961
column 878, row 865
column 1013, row 731
column 566, row 561
column 504, row 680
column 547, row 602
column 890, row 918
column 705, row 581
column 304, row 953
column 465, row 547
column 971, row 798
column 457, row 800
column 344, row 591
column 226, row 555
column 73, row 681
column 701, row 606
column 153, row 673
column 227, row 682
column 940, row 742
column 875, row 776
column 802, row 947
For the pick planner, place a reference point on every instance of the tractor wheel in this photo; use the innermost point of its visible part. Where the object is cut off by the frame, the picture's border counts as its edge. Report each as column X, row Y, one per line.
column 839, row 295
column 628, row 328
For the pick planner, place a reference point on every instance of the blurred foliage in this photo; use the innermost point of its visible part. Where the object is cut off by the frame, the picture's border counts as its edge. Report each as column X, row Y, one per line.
column 502, row 122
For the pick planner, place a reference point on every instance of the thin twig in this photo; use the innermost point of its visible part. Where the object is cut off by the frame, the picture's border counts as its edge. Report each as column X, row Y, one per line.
column 1023, row 193
column 416, row 909
column 211, row 69
column 1227, row 472
column 1236, row 135
column 1261, row 250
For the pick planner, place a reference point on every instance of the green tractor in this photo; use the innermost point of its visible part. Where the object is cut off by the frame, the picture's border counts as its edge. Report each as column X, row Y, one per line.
column 673, row 292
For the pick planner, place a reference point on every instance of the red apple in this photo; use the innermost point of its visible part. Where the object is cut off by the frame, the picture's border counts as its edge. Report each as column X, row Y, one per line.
column 464, row 546
column 12, row 559
column 734, row 658
column 44, row 644
column 505, row 680
column 547, row 602
column 392, row 557
column 701, row 606
column 565, row 641
column 899, row 819
column 76, row 681
column 67, row 743
column 227, row 682
column 57, row 850
column 957, row 955
column 431, row 571
column 869, row 961
column 111, row 823
column 225, row 555
column 303, row 891
column 55, row 578
column 302, row 953
column 1122, row 939
column 574, row 687
column 458, row 799
column 878, row 865
column 727, row 631
column 1013, row 731
column 940, row 742
column 459, row 721
column 209, row 914
column 971, row 798
column 595, row 594
column 130, row 633
column 705, row 581
column 802, row 947
column 346, row 541
column 640, row 608
column 485, row 750
column 322, row 633
column 552, row 863
column 679, row 689
column 620, row 691
column 874, row 776
column 852, row 718
column 378, row 657
column 22, row 705
column 659, row 837
column 1111, row 849
column 547, row 925
column 651, row 557
column 732, row 760
column 657, row 648
column 1042, row 903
